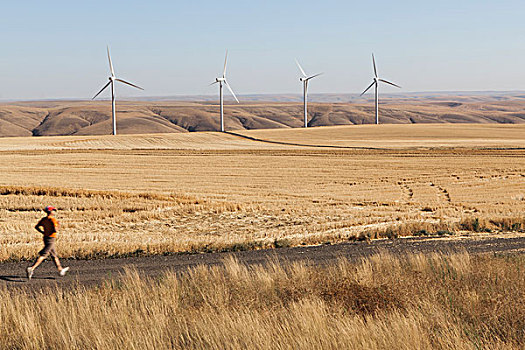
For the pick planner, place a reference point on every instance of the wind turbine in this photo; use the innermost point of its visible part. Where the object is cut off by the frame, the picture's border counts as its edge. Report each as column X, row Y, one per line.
column 111, row 82
column 376, row 83
column 305, row 79
column 222, row 81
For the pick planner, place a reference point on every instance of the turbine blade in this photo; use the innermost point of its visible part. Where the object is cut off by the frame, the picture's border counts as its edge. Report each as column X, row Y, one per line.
column 386, row 81
column 313, row 76
column 215, row 82
column 125, row 82
column 98, row 93
column 368, row 88
column 374, row 62
column 225, row 63
column 110, row 64
column 300, row 68
column 229, row 88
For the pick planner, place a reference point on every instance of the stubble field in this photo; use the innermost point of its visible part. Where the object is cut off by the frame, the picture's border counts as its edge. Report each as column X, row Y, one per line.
column 159, row 194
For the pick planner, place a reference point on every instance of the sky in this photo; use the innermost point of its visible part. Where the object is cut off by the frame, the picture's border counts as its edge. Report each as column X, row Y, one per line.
column 57, row 49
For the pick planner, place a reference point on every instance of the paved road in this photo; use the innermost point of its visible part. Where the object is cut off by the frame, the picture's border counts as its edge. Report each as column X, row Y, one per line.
column 93, row 272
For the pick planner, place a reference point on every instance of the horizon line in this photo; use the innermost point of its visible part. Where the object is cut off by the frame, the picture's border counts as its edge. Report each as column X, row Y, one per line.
column 214, row 96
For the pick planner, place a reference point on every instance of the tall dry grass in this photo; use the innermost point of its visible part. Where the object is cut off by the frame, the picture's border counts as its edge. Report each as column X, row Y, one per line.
column 384, row 302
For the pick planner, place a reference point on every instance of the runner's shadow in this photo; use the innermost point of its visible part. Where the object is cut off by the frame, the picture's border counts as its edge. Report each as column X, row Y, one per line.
column 20, row 279
column 12, row 278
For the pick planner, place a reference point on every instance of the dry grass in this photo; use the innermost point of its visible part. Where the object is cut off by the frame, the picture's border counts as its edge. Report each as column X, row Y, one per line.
column 140, row 195
column 384, row 302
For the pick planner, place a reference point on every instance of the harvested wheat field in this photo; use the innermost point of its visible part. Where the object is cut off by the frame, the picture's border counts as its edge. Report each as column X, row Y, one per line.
column 205, row 192
column 455, row 193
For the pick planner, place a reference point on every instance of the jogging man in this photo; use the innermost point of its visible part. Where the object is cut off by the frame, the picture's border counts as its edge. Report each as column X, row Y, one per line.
column 48, row 226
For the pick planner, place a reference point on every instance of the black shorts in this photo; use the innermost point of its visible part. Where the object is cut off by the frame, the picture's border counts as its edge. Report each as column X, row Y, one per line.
column 49, row 247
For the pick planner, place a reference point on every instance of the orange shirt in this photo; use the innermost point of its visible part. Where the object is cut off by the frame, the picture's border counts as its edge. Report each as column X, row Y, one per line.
column 49, row 225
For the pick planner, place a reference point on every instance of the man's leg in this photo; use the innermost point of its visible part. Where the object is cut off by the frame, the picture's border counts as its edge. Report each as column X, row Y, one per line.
column 57, row 263
column 43, row 254
column 38, row 261
column 61, row 270
column 31, row 269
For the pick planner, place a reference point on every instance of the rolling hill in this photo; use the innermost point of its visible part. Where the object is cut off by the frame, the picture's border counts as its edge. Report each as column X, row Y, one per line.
column 53, row 118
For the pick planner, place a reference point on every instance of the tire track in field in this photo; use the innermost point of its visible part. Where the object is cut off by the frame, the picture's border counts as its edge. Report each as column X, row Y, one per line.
column 444, row 194
column 408, row 192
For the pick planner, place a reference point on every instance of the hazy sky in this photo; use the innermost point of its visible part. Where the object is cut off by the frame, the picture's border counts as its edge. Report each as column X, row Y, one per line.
column 56, row 49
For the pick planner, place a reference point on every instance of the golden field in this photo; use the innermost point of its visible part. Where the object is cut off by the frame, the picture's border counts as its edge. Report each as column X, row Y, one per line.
column 165, row 193
column 383, row 302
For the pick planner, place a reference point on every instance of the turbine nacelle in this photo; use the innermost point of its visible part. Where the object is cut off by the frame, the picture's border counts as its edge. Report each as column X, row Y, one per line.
column 220, row 80
column 305, row 77
column 376, row 79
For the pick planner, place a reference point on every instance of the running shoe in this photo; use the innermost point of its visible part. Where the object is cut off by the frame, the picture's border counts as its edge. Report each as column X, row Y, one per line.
column 29, row 273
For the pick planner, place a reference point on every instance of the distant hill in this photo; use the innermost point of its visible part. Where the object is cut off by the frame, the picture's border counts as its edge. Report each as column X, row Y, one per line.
column 345, row 98
column 52, row 118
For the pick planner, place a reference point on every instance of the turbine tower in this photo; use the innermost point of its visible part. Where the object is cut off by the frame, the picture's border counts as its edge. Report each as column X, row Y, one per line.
column 376, row 83
column 222, row 81
column 111, row 82
column 305, row 79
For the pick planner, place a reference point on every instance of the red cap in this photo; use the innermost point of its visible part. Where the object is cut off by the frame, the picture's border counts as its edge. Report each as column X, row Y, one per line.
column 49, row 209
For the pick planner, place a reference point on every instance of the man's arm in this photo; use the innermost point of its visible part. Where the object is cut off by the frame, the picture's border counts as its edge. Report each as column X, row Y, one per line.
column 38, row 227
